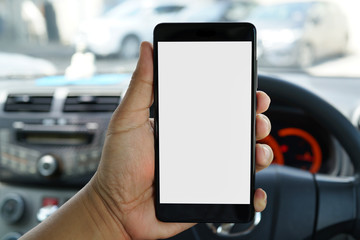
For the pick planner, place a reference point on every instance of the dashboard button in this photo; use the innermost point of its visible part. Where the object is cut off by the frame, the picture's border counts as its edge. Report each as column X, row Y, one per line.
column 45, row 212
column 50, row 201
column 12, row 208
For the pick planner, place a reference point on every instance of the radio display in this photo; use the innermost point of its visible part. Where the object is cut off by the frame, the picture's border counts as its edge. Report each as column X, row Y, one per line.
column 49, row 138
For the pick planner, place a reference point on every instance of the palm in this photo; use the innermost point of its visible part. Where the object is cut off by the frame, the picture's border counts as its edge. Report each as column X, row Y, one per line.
column 130, row 177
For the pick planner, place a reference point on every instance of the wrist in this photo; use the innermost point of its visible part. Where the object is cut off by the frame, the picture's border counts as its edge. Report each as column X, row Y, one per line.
column 101, row 214
column 84, row 216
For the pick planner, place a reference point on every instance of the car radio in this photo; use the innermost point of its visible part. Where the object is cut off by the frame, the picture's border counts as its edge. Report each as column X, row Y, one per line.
column 57, row 151
column 58, row 148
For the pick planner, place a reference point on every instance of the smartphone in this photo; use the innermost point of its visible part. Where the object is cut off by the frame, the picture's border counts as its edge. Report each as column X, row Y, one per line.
column 205, row 81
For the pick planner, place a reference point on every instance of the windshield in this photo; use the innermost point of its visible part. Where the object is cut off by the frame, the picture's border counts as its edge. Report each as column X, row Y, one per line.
column 295, row 13
column 123, row 10
column 83, row 38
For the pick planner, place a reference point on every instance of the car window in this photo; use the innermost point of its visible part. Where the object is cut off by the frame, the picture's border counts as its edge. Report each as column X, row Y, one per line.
column 292, row 35
column 239, row 10
column 295, row 13
column 123, row 10
column 203, row 12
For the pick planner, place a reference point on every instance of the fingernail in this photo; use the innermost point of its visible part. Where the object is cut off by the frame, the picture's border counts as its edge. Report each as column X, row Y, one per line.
column 262, row 199
column 267, row 151
column 140, row 47
column 137, row 64
column 267, row 121
column 265, row 199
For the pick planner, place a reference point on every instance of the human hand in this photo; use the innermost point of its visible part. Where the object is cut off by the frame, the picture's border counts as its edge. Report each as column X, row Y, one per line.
column 125, row 177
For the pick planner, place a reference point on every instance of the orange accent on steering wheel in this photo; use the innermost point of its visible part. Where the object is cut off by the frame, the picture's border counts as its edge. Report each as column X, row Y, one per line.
column 315, row 148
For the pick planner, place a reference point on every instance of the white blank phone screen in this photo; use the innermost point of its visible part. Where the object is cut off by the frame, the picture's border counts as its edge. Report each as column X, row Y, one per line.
column 204, row 122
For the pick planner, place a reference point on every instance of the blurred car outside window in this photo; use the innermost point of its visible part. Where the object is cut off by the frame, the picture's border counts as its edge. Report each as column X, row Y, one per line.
column 121, row 29
column 310, row 37
column 297, row 34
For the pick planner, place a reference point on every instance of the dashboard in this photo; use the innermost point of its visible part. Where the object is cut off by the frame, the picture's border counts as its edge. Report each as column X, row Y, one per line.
column 51, row 138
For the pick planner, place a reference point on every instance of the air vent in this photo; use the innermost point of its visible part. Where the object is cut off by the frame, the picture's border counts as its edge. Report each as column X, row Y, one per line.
column 91, row 103
column 28, row 103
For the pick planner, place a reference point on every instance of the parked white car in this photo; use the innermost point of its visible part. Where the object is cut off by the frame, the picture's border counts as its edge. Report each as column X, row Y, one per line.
column 122, row 28
column 300, row 33
column 23, row 65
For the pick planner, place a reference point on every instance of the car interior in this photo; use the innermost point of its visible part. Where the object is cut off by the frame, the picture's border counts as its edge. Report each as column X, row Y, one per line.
column 66, row 65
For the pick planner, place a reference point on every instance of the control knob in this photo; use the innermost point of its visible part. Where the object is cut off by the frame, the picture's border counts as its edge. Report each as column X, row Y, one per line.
column 47, row 166
column 11, row 236
column 12, row 208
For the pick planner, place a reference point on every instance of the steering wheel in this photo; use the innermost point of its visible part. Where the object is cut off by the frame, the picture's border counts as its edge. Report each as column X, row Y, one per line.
column 302, row 205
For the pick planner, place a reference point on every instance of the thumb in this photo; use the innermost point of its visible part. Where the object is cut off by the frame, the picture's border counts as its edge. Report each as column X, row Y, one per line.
column 133, row 110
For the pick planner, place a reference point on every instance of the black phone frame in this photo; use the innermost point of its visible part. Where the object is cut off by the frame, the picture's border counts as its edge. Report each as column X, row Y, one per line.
column 177, row 32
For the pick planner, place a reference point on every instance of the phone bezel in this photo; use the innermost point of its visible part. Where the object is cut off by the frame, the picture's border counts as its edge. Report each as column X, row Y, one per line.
column 192, row 32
